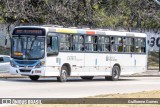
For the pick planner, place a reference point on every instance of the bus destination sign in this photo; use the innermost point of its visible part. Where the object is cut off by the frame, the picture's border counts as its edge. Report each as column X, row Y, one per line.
column 22, row 31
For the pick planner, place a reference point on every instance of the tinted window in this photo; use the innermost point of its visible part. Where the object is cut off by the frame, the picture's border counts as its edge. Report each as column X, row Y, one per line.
column 117, row 44
column 78, row 43
column 91, row 43
column 103, row 44
column 140, row 45
column 128, row 44
column 65, row 42
column 6, row 59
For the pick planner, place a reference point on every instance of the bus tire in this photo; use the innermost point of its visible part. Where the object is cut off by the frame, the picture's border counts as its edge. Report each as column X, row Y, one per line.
column 87, row 77
column 34, row 77
column 108, row 77
column 63, row 75
column 115, row 74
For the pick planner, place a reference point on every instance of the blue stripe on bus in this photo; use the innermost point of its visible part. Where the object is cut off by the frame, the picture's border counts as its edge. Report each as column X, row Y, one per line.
column 81, row 31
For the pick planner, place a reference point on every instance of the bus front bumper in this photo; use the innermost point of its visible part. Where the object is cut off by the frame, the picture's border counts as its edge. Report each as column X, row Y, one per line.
column 27, row 71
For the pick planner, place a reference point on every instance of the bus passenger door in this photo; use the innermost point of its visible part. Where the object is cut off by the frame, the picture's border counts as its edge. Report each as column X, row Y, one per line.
column 52, row 68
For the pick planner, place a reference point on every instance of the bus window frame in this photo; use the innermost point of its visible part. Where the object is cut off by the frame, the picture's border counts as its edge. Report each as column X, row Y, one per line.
column 63, row 42
column 116, row 44
column 105, row 43
column 56, row 53
column 130, row 45
column 88, row 51
column 138, row 45
column 83, row 43
column 110, row 52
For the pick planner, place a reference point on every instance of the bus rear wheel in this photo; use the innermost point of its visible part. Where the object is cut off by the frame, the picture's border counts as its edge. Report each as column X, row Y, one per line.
column 34, row 77
column 63, row 75
column 115, row 74
column 87, row 77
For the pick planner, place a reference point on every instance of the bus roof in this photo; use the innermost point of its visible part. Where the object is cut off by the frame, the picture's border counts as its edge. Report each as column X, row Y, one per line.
column 86, row 31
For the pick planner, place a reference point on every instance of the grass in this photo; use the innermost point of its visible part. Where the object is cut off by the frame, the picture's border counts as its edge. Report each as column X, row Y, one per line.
column 153, row 59
column 144, row 94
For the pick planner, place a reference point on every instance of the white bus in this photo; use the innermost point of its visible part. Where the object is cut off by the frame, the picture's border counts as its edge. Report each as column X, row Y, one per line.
column 65, row 52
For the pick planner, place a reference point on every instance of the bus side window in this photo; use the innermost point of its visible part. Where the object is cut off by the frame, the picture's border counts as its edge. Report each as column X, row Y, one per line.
column 140, row 45
column 107, row 44
column 65, row 42
column 52, row 45
column 113, row 46
column 88, row 43
column 78, row 43
column 117, row 44
column 103, row 44
column 49, row 43
column 91, row 43
column 128, row 44
column 55, row 43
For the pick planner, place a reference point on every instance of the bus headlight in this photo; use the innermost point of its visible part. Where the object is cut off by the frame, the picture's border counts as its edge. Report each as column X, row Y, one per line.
column 13, row 64
column 40, row 64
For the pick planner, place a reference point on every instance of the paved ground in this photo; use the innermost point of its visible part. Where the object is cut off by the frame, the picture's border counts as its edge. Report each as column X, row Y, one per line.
column 50, row 88
column 18, row 86
column 148, row 73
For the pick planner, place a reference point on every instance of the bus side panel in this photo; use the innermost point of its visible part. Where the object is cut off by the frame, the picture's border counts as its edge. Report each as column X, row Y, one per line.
column 140, row 63
column 75, row 60
column 52, row 66
column 97, row 64
column 125, row 61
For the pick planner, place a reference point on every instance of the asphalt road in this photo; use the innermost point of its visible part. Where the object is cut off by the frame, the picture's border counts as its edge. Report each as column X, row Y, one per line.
column 74, row 88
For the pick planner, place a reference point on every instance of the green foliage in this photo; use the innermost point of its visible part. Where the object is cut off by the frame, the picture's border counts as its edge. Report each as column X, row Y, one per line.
column 128, row 14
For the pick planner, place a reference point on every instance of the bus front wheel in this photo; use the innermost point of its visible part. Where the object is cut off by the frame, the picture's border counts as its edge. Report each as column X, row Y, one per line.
column 34, row 77
column 115, row 74
column 63, row 75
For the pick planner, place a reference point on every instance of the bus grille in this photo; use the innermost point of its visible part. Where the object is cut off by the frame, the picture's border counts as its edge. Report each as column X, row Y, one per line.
column 27, row 66
column 24, row 70
column 26, row 62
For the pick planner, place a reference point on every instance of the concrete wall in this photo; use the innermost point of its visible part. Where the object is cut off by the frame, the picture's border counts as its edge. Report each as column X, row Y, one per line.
column 4, row 34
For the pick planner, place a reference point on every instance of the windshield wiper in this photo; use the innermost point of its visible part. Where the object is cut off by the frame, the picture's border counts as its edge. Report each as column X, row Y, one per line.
column 29, row 55
column 33, row 42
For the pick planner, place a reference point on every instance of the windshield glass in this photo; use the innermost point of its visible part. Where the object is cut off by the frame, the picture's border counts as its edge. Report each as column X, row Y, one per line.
column 28, row 47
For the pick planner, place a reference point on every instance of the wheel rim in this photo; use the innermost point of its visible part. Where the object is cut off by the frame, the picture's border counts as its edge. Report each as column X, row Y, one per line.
column 115, row 73
column 63, row 75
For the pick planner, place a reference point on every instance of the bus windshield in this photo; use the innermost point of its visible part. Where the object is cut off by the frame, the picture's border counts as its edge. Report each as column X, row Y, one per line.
column 28, row 47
